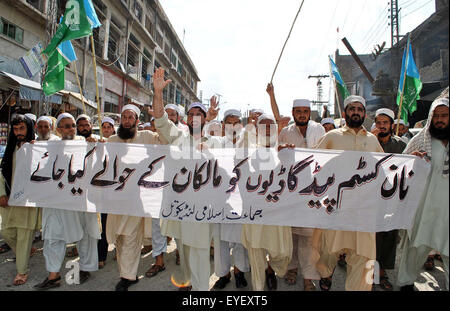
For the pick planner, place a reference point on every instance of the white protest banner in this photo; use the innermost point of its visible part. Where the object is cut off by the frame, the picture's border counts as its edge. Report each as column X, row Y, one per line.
column 356, row 191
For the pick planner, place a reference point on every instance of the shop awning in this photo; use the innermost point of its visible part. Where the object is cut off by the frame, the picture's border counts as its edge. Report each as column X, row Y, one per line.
column 28, row 89
column 75, row 100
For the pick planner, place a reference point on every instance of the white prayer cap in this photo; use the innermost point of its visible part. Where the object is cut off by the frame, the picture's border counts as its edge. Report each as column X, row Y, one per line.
column 84, row 117
column 232, row 112
column 46, row 119
column 385, row 111
column 30, row 116
column 256, row 110
column 108, row 120
column 401, row 121
column 326, row 121
column 181, row 111
column 147, row 124
column 373, row 127
column 133, row 108
column 354, row 99
column 64, row 115
column 198, row 105
column 172, row 106
column 266, row 117
column 302, row 103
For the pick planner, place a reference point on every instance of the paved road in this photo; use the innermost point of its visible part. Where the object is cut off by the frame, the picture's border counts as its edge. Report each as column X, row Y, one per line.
column 105, row 279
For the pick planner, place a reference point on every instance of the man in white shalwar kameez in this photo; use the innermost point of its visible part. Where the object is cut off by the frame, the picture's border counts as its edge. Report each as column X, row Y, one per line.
column 193, row 239
column 263, row 240
column 227, row 237
column 128, row 232
column 304, row 133
column 430, row 229
column 61, row 227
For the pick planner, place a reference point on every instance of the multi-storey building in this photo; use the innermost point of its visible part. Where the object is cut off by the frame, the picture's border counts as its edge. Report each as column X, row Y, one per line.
column 135, row 38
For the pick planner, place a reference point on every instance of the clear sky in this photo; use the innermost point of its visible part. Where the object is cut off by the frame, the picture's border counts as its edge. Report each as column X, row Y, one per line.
column 235, row 44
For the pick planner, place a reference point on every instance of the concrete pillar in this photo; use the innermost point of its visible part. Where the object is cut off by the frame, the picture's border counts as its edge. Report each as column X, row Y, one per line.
column 106, row 39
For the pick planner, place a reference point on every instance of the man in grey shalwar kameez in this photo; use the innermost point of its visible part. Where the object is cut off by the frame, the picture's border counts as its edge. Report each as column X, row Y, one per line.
column 430, row 228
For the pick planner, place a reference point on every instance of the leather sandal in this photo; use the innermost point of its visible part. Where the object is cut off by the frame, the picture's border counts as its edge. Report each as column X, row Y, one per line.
column 154, row 270
column 291, row 277
column 20, row 279
column 47, row 284
column 308, row 285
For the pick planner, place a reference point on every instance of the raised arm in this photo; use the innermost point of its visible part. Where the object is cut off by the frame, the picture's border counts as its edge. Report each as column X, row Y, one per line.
column 159, row 84
column 273, row 103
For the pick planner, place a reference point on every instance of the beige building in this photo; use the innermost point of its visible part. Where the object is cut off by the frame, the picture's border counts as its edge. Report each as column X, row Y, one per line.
column 135, row 38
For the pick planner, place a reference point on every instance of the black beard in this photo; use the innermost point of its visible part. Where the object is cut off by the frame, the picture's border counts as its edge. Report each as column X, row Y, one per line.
column 381, row 134
column 298, row 123
column 441, row 134
column 191, row 129
column 85, row 134
column 353, row 124
column 125, row 133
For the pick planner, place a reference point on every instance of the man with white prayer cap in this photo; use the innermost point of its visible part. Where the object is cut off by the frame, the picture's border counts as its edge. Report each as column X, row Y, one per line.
column 386, row 241
column 173, row 112
column 304, row 133
column 44, row 127
column 402, row 130
column 359, row 247
column 328, row 124
column 193, row 239
column 84, row 126
column 61, row 227
column 108, row 127
column 31, row 116
column 227, row 237
column 430, row 227
column 263, row 240
column 128, row 232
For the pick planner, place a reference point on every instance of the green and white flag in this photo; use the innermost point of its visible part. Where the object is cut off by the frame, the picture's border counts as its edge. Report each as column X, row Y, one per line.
column 339, row 82
column 410, row 85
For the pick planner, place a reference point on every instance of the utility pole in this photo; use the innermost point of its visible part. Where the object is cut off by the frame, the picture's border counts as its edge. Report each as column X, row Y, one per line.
column 319, row 78
column 395, row 36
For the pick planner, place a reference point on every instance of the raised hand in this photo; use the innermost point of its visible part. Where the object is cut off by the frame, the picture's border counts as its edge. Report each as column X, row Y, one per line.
column 270, row 90
column 158, row 80
column 213, row 110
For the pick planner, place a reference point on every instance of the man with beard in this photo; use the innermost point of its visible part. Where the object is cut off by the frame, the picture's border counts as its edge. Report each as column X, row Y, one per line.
column 193, row 239
column 328, row 124
column 386, row 241
column 44, row 129
column 227, row 237
column 359, row 247
column 430, row 228
column 263, row 240
column 84, row 127
column 128, row 232
column 304, row 133
column 18, row 222
column 174, row 116
column 61, row 227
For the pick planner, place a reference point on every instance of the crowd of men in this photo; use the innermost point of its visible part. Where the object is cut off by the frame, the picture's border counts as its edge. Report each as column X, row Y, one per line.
column 264, row 250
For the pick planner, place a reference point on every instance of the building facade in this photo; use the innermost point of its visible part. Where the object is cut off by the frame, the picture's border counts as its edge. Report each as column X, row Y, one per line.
column 135, row 38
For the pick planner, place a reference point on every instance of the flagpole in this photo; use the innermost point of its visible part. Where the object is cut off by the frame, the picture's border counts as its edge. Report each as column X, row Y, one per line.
column 336, row 94
column 279, row 58
column 403, row 86
column 96, row 86
column 79, row 87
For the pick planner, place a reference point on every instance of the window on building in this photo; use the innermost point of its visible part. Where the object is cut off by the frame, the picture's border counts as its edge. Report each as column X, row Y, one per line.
column 111, row 101
column 178, row 97
column 171, row 92
column 135, row 40
column 159, row 39
column 137, row 10
column 37, row 4
column 132, row 61
column 99, row 6
column 98, row 42
column 180, row 68
column 113, row 47
column 173, row 57
column 10, row 30
column 167, row 49
column 149, row 26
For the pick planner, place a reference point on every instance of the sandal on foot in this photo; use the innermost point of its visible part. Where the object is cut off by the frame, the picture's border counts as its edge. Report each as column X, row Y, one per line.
column 154, row 270
column 33, row 251
column 429, row 264
column 20, row 279
column 146, row 249
column 72, row 253
column 47, row 284
column 385, row 284
column 308, row 286
column 291, row 277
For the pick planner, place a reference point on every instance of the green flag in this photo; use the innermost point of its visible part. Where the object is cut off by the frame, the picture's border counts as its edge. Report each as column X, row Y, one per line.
column 339, row 82
column 75, row 25
column 410, row 85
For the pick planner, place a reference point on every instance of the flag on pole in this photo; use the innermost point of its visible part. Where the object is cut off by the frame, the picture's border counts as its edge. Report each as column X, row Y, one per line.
column 55, row 75
column 91, row 14
column 75, row 25
column 339, row 82
column 410, row 85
